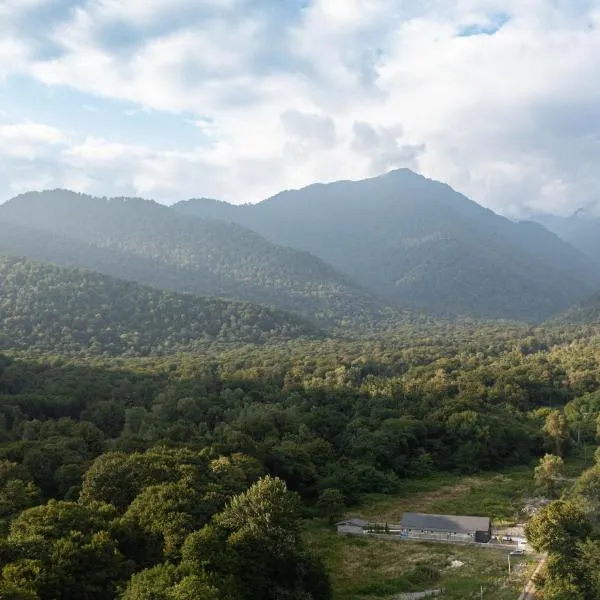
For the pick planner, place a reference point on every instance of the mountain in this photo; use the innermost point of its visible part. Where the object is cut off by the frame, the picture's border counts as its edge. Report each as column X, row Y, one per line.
column 586, row 312
column 581, row 230
column 418, row 243
column 51, row 309
column 146, row 242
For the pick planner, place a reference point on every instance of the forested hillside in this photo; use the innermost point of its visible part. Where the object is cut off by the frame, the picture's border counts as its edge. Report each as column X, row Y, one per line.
column 126, row 477
column 582, row 230
column 156, row 444
column 418, row 243
column 48, row 309
column 586, row 312
column 146, row 242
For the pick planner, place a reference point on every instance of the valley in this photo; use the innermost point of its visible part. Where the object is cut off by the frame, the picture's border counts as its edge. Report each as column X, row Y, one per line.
column 191, row 395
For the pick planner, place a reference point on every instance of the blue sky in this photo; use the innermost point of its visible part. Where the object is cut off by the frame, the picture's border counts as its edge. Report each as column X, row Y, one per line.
column 238, row 99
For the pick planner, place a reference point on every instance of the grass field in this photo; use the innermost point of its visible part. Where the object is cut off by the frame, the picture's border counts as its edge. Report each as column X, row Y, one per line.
column 495, row 495
column 376, row 569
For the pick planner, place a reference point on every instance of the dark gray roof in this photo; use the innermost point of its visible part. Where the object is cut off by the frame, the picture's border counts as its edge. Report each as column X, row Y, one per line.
column 354, row 523
column 445, row 522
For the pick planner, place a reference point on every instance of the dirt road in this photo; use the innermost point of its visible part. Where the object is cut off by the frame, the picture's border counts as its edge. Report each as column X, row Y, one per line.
column 528, row 592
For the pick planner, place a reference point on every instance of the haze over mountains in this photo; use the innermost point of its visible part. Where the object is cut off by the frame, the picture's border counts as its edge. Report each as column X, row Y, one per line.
column 341, row 253
column 418, row 243
column 146, row 242
column 581, row 230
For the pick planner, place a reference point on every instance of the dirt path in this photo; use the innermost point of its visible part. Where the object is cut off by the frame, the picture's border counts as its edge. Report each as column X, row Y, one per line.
column 528, row 592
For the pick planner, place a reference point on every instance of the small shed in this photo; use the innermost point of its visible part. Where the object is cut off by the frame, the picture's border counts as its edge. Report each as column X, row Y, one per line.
column 446, row 527
column 351, row 527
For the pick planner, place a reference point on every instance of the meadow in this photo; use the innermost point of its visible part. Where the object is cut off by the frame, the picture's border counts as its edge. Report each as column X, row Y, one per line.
column 379, row 569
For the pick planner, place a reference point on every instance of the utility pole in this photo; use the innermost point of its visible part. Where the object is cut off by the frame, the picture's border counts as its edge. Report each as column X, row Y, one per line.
column 481, row 592
column 508, row 563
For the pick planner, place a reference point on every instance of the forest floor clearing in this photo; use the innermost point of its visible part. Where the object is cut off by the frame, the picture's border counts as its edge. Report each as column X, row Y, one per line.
column 364, row 568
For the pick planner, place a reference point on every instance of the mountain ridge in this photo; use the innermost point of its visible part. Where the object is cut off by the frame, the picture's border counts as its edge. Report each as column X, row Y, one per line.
column 146, row 242
column 418, row 243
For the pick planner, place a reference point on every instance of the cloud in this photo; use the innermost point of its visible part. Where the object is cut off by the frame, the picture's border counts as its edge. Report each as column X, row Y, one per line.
column 308, row 133
column 498, row 98
column 384, row 147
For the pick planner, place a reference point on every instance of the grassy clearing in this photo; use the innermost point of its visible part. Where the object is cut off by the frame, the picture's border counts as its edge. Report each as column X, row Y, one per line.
column 370, row 569
column 497, row 495
column 375, row 569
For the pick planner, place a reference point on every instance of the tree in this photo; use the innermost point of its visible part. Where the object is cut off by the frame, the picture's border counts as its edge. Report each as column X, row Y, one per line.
column 151, row 584
column 267, row 513
column 9, row 591
column 167, row 510
column 263, row 551
column 587, row 492
column 557, row 431
column 557, row 528
column 547, row 474
column 331, row 504
column 193, row 587
column 63, row 549
column 559, row 589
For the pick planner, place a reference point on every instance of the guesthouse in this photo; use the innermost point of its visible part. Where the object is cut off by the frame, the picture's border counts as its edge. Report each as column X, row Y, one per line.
column 445, row 528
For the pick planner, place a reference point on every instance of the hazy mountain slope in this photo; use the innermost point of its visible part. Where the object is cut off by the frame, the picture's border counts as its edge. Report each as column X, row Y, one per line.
column 53, row 309
column 419, row 243
column 585, row 312
column 147, row 242
column 580, row 230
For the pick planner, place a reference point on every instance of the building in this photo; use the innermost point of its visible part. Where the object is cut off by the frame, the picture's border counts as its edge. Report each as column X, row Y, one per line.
column 446, row 528
column 351, row 527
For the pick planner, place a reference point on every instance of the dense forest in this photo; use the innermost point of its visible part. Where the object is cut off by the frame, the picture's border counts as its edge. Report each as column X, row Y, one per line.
column 189, row 475
column 156, row 444
column 49, row 309
column 143, row 241
column 586, row 312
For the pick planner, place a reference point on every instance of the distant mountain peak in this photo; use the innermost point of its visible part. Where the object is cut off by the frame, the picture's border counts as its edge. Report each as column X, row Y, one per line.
column 418, row 243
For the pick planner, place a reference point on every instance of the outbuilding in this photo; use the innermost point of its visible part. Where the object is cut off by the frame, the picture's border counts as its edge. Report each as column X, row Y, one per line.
column 446, row 528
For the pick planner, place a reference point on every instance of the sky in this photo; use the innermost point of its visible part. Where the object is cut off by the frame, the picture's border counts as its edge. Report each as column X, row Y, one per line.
column 239, row 99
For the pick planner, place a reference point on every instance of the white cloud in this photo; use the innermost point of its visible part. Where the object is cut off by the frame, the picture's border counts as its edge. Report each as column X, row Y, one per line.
column 28, row 140
column 343, row 89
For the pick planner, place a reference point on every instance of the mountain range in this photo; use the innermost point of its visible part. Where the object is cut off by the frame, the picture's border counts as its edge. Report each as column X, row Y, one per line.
column 417, row 243
column 345, row 253
column 146, row 242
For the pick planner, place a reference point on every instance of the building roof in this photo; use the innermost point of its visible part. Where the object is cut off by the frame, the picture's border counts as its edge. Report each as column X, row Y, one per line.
column 353, row 523
column 445, row 522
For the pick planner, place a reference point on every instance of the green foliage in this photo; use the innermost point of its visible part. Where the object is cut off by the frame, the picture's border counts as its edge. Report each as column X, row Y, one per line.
column 145, row 242
column 557, row 431
column 49, row 309
column 74, row 549
column 557, row 528
column 331, row 504
column 548, row 473
column 195, row 468
column 562, row 530
column 152, row 584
